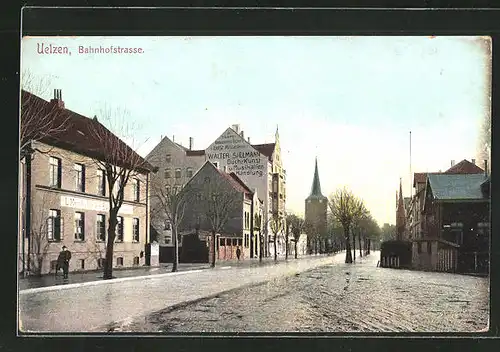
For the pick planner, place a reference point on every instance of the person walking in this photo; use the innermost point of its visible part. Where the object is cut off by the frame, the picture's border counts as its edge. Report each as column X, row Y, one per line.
column 63, row 261
column 238, row 253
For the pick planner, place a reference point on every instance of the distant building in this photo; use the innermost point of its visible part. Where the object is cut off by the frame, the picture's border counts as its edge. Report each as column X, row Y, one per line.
column 316, row 206
column 64, row 197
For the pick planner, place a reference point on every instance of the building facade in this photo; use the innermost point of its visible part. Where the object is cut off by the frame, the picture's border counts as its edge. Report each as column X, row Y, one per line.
column 221, row 195
column 259, row 166
column 64, row 201
column 316, row 208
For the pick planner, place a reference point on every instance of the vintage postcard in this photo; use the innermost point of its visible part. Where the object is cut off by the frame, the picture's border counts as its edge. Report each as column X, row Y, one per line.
column 254, row 184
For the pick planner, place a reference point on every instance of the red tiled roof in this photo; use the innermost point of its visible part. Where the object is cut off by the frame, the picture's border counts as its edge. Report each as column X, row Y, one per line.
column 195, row 152
column 81, row 135
column 266, row 149
column 464, row 167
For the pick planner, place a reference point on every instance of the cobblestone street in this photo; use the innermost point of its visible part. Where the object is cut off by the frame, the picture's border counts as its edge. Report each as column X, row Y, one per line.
column 337, row 298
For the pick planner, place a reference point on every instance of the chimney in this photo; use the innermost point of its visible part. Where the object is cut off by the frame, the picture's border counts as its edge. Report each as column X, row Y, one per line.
column 173, row 138
column 249, row 140
column 473, row 161
column 58, row 98
column 453, row 163
column 242, row 135
column 486, row 167
column 236, row 128
column 190, row 143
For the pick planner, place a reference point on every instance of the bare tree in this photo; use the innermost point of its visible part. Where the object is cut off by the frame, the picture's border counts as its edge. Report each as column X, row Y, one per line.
column 120, row 164
column 276, row 224
column 345, row 207
column 484, row 140
column 39, row 234
column 216, row 201
column 170, row 206
column 360, row 216
column 39, row 118
column 296, row 225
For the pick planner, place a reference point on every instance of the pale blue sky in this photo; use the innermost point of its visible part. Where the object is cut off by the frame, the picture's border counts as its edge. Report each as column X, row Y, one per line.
column 351, row 101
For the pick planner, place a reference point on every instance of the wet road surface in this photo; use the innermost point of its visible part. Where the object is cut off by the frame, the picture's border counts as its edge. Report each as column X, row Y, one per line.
column 337, row 298
column 93, row 308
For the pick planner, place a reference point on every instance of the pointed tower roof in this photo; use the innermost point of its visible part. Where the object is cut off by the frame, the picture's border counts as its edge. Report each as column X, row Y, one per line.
column 316, row 186
column 400, row 213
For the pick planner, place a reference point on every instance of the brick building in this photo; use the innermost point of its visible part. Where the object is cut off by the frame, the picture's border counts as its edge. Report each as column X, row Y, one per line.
column 449, row 219
column 63, row 197
column 316, row 207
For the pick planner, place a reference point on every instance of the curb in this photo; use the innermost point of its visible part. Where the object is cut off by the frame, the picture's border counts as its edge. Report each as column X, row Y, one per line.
column 102, row 282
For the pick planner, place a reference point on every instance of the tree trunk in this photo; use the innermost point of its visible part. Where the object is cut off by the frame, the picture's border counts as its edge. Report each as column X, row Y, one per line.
column 260, row 247
column 275, row 251
column 348, row 254
column 286, row 245
column 295, row 245
column 360, row 247
column 175, row 262
column 214, row 248
column 108, row 262
column 354, row 245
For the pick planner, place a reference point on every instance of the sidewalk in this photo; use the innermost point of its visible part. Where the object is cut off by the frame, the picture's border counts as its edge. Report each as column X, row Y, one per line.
column 75, row 278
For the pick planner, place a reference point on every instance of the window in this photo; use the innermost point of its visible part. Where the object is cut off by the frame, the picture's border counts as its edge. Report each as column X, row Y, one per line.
column 101, row 182
column 429, row 247
column 54, row 225
column 240, row 241
column 167, row 239
column 119, row 261
column 168, row 158
column 79, row 226
column 135, row 230
column 235, row 242
column 137, row 190
column 167, row 174
column 100, row 263
column 55, row 171
column 82, row 264
column 136, row 260
column 101, row 227
column 80, row 177
column 222, row 241
column 189, row 172
column 119, row 229
column 177, row 173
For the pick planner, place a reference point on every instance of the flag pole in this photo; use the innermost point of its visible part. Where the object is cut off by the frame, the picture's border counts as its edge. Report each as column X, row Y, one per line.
column 411, row 177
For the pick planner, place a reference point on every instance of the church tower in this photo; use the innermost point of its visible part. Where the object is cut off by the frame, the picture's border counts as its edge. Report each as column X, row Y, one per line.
column 316, row 206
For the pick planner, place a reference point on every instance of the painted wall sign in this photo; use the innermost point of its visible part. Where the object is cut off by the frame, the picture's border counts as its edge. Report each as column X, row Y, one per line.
column 92, row 204
column 237, row 155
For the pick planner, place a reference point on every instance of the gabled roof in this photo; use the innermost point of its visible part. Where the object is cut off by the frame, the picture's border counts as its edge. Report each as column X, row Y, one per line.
column 464, row 167
column 457, row 186
column 266, row 149
column 83, row 135
column 421, row 177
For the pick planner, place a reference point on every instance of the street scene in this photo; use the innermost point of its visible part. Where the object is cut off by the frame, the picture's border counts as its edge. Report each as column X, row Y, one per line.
column 182, row 198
